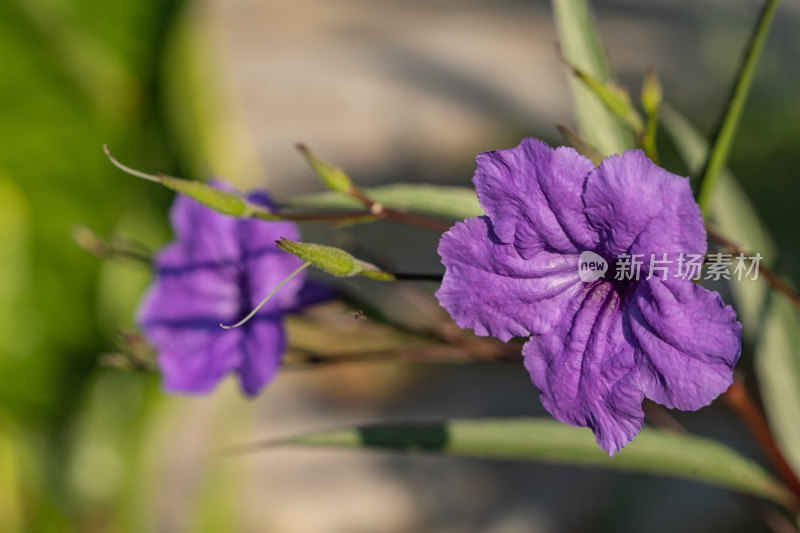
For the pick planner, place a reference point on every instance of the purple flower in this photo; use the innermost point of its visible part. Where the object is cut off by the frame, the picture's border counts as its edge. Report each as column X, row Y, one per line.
column 216, row 270
column 596, row 348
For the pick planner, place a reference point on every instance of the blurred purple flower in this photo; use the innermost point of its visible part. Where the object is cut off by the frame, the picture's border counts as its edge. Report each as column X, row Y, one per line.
column 596, row 348
column 216, row 270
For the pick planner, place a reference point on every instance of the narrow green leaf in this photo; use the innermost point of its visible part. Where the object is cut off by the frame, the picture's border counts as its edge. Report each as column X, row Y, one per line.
column 227, row 203
column 451, row 203
column 615, row 98
column 652, row 451
column 724, row 136
column 777, row 363
column 581, row 46
column 221, row 201
column 733, row 213
column 767, row 316
column 333, row 260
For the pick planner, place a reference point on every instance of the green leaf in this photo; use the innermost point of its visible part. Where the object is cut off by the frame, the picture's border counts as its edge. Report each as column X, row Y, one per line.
column 652, row 451
column 726, row 132
column 777, row 363
column 452, row 203
column 333, row 260
column 581, row 47
column 731, row 211
column 220, row 201
column 615, row 98
column 767, row 316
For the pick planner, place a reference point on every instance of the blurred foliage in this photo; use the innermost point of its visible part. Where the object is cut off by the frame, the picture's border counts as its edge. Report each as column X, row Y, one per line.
column 76, row 74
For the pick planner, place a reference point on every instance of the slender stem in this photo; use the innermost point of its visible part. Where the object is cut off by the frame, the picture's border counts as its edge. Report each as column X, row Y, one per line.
column 155, row 178
column 403, row 276
column 333, row 216
column 413, row 219
column 374, row 210
column 772, row 278
column 267, row 297
column 739, row 399
column 105, row 249
column 661, row 418
column 723, row 138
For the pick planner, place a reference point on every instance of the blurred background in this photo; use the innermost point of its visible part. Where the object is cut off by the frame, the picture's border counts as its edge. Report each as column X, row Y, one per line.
column 393, row 92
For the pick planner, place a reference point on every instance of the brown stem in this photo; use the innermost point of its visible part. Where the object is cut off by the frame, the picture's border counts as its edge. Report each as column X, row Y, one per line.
column 433, row 354
column 420, row 221
column 410, row 219
column 661, row 418
column 772, row 278
column 741, row 402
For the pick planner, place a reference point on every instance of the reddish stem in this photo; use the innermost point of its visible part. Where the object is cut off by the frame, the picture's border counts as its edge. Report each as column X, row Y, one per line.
column 742, row 403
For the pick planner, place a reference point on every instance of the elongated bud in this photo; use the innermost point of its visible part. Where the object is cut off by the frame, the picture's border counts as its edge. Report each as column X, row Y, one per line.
column 224, row 202
column 333, row 177
column 333, row 260
column 615, row 98
column 651, row 92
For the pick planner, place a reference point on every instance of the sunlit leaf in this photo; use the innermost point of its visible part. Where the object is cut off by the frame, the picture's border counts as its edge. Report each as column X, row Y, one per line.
column 452, row 203
column 777, row 361
column 772, row 322
column 726, row 132
column 732, row 212
column 652, row 451
column 581, row 46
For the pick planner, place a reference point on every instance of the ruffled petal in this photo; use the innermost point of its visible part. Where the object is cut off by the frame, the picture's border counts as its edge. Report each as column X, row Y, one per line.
column 687, row 340
column 264, row 344
column 585, row 369
column 640, row 208
column 489, row 288
column 532, row 194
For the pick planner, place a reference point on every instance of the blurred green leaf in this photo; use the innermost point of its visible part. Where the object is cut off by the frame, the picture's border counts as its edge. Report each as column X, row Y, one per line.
column 652, row 451
column 615, row 98
column 777, row 363
column 726, row 132
column 206, row 121
column 767, row 316
column 452, row 203
column 11, row 486
column 581, row 47
column 732, row 212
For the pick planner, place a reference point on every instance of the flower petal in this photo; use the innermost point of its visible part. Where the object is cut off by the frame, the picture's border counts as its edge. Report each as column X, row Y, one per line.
column 532, row 194
column 204, row 236
column 488, row 287
column 266, row 265
column 638, row 207
column 688, row 342
column 195, row 358
column 264, row 343
column 585, row 370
